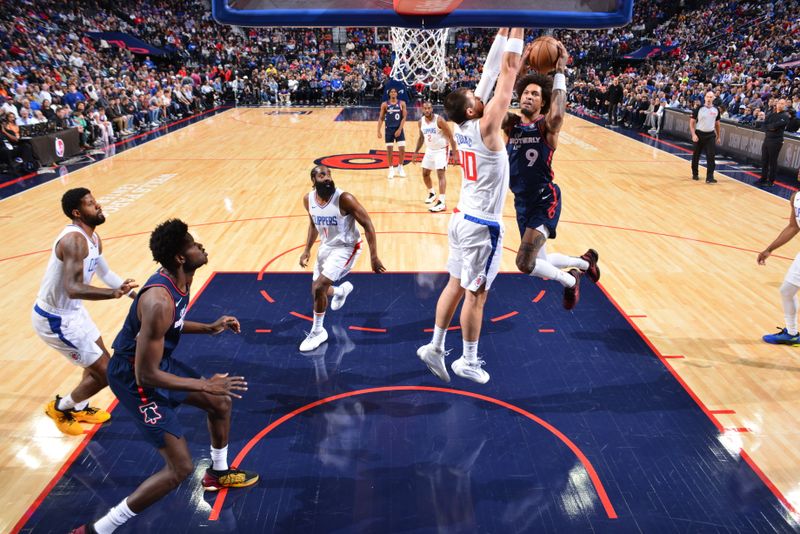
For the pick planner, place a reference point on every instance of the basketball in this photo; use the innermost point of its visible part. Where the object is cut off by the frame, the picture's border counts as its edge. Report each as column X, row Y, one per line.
column 543, row 54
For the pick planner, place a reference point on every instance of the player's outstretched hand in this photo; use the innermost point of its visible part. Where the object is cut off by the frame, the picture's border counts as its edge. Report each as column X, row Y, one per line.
column 226, row 322
column 222, row 384
column 563, row 57
column 762, row 257
column 377, row 266
column 125, row 288
column 304, row 258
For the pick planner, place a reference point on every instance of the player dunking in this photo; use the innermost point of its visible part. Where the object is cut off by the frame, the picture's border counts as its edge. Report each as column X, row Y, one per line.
column 332, row 215
column 532, row 142
column 393, row 113
column 150, row 383
column 436, row 134
column 59, row 317
column 475, row 233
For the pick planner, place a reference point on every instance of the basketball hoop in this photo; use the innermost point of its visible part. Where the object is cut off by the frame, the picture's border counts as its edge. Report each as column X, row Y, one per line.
column 419, row 55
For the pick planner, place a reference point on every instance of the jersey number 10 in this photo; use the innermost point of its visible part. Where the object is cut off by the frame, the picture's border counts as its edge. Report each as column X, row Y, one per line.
column 469, row 164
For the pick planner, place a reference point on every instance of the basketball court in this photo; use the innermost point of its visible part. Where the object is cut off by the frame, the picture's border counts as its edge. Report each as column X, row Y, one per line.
column 652, row 403
column 653, row 406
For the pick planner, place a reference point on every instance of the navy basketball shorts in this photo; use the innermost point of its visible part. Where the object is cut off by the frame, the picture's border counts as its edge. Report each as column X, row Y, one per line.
column 390, row 138
column 542, row 208
column 153, row 410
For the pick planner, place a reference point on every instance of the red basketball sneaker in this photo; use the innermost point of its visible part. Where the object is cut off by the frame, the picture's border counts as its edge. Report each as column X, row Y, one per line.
column 592, row 257
column 573, row 294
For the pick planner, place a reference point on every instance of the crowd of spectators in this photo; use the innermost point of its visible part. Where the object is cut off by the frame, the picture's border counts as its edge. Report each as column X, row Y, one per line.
column 743, row 52
column 53, row 74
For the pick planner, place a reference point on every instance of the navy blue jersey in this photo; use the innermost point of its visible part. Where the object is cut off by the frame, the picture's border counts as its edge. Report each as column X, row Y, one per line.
column 529, row 158
column 393, row 117
column 125, row 342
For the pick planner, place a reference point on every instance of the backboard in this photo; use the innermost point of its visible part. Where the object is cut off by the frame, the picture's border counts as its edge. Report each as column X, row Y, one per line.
column 425, row 13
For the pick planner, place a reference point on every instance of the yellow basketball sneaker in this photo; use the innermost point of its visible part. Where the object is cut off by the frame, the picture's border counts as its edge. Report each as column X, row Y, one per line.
column 64, row 421
column 231, row 478
column 91, row 415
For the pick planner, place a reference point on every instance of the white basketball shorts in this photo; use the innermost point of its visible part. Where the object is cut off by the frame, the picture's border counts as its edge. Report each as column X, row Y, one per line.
column 73, row 335
column 336, row 262
column 475, row 249
column 435, row 159
column 793, row 274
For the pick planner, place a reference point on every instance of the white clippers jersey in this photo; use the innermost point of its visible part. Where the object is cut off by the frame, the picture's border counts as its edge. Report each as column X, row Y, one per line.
column 484, row 182
column 797, row 209
column 335, row 229
column 434, row 140
column 52, row 295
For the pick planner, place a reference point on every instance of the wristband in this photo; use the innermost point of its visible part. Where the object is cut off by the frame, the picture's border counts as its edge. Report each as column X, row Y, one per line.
column 514, row 46
column 560, row 82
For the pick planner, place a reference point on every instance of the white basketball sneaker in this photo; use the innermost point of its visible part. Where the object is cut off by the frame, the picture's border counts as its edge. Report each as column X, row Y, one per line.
column 431, row 198
column 314, row 340
column 338, row 301
column 401, row 172
column 391, row 172
column 434, row 359
column 437, row 206
column 470, row 370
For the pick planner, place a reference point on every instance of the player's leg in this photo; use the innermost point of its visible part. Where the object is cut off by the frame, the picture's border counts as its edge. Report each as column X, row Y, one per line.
column 74, row 336
column 433, row 353
column 178, row 466
column 789, row 287
column 337, row 266
column 401, row 149
column 390, row 154
column 481, row 265
column 318, row 335
column 529, row 262
column 426, row 179
column 440, row 205
column 218, row 409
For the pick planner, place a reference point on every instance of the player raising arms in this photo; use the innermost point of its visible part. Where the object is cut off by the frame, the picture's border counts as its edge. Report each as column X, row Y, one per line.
column 532, row 142
column 436, row 134
column 475, row 233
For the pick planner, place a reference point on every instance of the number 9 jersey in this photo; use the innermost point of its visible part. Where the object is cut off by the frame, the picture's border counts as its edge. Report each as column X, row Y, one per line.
column 529, row 158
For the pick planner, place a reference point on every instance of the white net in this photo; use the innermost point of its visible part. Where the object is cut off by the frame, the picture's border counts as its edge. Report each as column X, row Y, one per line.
column 419, row 55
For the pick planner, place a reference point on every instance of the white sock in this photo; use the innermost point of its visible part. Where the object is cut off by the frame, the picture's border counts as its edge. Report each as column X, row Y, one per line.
column 318, row 319
column 66, row 403
column 471, row 351
column 441, row 198
column 81, row 405
column 431, row 191
column 562, row 261
column 789, row 301
column 219, row 458
column 116, row 517
column 544, row 269
column 337, row 291
column 438, row 337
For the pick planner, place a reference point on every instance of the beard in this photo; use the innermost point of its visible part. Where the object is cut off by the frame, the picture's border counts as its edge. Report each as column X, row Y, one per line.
column 97, row 220
column 528, row 112
column 325, row 189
